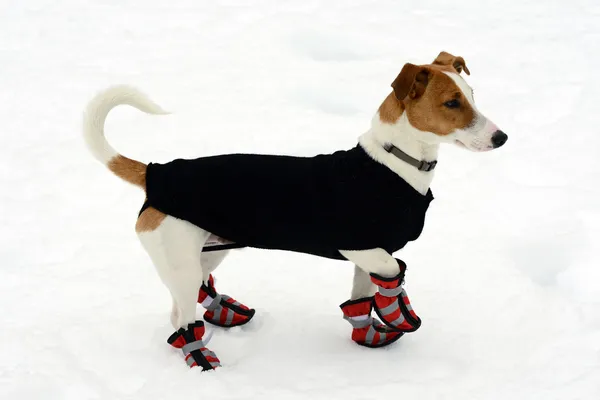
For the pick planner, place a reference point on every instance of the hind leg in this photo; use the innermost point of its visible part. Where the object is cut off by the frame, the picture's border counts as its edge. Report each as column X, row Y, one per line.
column 221, row 310
column 175, row 246
column 211, row 260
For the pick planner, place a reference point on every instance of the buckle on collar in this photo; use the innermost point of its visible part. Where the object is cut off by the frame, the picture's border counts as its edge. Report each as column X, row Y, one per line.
column 427, row 166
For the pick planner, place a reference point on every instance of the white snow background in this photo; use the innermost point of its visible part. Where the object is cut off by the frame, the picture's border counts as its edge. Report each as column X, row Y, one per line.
column 505, row 275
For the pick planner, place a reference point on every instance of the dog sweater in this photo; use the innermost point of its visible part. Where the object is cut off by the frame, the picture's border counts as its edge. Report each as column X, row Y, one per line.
column 314, row 205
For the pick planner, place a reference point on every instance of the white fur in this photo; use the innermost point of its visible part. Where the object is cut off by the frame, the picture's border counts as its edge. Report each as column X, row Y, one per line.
column 376, row 261
column 211, row 260
column 99, row 107
column 175, row 248
column 477, row 136
column 463, row 86
column 361, row 283
column 403, row 135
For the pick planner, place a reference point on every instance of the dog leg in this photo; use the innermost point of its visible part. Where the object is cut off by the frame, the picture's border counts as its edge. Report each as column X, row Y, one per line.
column 211, row 260
column 366, row 330
column 362, row 285
column 391, row 302
column 221, row 310
column 373, row 261
column 175, row 247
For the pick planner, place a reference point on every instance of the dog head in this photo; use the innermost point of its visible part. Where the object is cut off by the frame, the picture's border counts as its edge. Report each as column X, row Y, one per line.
column 438, row 105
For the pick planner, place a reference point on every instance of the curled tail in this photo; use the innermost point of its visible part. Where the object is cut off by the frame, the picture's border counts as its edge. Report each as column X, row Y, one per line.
column 94, row 117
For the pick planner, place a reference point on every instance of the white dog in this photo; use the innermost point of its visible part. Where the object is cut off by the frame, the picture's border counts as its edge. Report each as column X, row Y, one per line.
column 359, row 205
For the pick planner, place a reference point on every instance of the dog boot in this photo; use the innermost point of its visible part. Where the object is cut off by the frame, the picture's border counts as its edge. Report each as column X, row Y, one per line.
column 391, row 302
column 194, row 350
column 222, row 310
column 366, row 330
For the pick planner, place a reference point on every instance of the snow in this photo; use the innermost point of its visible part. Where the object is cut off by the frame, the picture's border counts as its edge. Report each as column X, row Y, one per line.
column 505, row 276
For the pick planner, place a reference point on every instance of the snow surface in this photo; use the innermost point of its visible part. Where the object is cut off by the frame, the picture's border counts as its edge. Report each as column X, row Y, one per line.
column 505, row 276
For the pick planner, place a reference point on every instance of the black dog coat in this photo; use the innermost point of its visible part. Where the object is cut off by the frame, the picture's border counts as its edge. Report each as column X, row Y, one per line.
column 319, row 205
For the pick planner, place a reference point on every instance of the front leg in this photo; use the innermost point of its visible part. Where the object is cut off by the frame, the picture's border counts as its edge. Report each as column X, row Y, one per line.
column 373, row 261
column 366, row 330
column 362, row 285
column 391, row 302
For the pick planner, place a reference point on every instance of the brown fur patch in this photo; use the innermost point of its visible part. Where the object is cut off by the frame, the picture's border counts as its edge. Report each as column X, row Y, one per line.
column 428, row 112
column 425, row 110
column 391, row 109
column 458, row 64
column 411, row 81
column 129, row 170
column 445, row 68
column 149, row 220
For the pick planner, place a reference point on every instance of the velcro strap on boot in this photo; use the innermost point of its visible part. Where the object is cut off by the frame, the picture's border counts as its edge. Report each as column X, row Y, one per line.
column 391, row 282
column 215, row 303
column 359, row 323
column 208, row 355
column 390, row 292
column 188, row 348
column 380, row 335
column 193, row 347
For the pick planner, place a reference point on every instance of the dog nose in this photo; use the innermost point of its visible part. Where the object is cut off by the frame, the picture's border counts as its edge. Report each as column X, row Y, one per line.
column 499, row 138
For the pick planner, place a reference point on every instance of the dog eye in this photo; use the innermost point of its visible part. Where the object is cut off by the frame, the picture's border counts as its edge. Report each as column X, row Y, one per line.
column 452, row 104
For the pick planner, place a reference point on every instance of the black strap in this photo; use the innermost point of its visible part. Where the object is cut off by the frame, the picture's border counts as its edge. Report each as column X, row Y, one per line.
column 419, row 164
column 218, row 247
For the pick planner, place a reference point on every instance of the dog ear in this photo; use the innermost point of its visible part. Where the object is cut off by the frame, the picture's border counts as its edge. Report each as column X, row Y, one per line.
column 458, row 63
column 412, row 82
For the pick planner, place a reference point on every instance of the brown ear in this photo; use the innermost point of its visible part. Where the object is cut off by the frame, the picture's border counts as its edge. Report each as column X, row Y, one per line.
column 412, row 82
column 458, row 63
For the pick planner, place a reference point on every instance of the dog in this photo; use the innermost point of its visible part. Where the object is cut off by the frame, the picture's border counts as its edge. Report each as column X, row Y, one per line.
column 359, row 205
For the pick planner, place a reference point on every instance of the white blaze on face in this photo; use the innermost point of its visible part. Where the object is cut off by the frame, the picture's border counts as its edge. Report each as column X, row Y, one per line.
column 478, row 135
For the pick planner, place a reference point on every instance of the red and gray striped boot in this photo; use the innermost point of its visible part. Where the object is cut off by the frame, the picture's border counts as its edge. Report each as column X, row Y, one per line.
column 366, row 330
column 392, row 304
column 222, row 310
column 194, row 349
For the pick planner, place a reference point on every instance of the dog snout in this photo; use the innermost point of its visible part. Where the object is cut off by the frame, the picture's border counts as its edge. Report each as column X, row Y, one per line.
column 499, row 138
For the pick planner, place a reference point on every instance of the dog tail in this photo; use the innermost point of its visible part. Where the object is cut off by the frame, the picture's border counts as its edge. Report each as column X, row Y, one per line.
column 94, row 117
